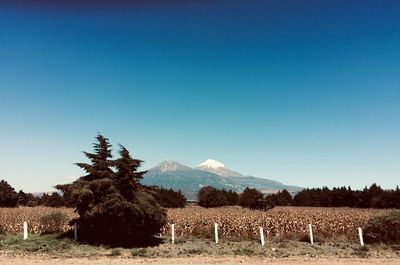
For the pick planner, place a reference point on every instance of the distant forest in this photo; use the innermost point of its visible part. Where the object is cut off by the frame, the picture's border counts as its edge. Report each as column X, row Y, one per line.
column 372, row 197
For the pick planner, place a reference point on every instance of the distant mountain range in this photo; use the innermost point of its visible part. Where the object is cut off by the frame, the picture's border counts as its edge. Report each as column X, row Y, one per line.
column 171, row 174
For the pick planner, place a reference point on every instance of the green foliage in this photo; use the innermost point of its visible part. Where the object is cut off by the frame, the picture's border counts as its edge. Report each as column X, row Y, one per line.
column 211, row 197
column 253, row 199
column 383, row 228
column 113, row 207
column 49, row 244
column 231, row 197
column 8, row 196
column 139, row 252
column 27, row 199
column 249, row 198
column 53, row 200
column 282, row 198
column 168, row 197
column 263, row 205
column 115, row 252
column 53, row 222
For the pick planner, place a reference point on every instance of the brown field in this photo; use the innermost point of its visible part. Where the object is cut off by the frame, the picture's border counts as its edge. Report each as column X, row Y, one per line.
column 235, row 223
column 282, row 222
column 12, row 219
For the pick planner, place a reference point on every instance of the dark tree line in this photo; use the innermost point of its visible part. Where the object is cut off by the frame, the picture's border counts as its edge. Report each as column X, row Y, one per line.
column 211, row 197
column 250, row 198
column 168, row 197
column 281, row 198
column 10, row 198
column 372, row 197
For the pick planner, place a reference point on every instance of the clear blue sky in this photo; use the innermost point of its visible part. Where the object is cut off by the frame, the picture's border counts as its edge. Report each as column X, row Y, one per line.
column 302, row 92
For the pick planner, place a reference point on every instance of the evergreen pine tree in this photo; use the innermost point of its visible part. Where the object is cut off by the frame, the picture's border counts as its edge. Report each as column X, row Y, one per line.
column 113, row 207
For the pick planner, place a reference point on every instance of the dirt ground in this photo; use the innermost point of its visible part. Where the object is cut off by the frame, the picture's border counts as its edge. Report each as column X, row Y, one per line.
column 27, row 260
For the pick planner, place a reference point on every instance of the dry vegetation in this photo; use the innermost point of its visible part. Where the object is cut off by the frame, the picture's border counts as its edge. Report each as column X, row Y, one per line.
column 285, row 222
column 235, row 223
column 194, row 231
column 12, row 219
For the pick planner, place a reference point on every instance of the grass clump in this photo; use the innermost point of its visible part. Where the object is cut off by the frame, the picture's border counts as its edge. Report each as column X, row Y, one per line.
column 361, row 251
column 383, row 229
column 139, row 252
column 247, row 251
column 53, row 222
column 115, row 252
column 37, row 243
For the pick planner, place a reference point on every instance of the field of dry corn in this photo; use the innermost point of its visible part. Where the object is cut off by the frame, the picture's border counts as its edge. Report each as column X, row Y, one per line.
column 287, row 222
column 234, row 223
column 12, row 219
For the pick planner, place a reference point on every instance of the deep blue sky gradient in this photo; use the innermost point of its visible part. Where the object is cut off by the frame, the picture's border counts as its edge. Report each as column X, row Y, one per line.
column 303, row 92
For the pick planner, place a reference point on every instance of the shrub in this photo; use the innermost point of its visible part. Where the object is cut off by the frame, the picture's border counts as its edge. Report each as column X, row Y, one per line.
column 138, row 252
column 115, row 252
column 383, row 228
column 53, row 222
column 2, row 230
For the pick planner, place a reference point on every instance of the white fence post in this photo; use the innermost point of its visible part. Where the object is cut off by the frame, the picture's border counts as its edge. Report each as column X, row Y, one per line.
column 216, row 233
column 25, row 230
column 360, row 235
column 262, row 236
column 173, row 233
column 311, row 234
column 75, row 231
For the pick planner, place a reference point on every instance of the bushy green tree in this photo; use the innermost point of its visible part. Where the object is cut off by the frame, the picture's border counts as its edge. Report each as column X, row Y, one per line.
column 52, row 200
column 168, row 197
column 254, row 199
column 231, row 197
column 281, row 198
column 8, row 195
column 113, row 207
column 27, row 199
column 249, row 198
column 210, row 197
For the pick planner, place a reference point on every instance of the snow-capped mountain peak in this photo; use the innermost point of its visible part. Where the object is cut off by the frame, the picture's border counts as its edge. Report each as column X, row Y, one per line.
column 211, row 163
column 218, row 168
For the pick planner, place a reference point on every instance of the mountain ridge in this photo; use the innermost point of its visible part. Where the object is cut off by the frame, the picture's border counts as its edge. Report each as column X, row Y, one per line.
column 172, row 174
